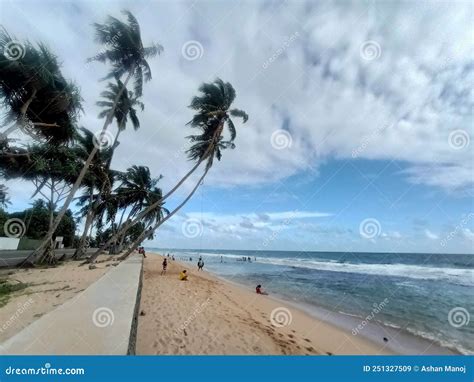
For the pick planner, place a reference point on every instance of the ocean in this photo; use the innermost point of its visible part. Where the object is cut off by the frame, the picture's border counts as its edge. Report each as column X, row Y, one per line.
column 410, row 299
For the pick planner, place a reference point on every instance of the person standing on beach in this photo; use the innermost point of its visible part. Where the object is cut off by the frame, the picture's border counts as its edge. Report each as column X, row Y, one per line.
column 200, row 264
column 165, row 265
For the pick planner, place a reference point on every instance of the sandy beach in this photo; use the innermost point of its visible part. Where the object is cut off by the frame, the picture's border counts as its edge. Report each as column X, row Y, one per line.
column 46, row 289
column 206, row 315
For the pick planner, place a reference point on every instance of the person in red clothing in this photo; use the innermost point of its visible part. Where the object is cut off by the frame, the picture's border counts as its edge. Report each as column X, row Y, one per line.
column 259, row 290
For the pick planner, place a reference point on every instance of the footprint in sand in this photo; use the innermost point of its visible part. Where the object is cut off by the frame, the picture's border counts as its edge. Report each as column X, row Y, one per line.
column 307, row 340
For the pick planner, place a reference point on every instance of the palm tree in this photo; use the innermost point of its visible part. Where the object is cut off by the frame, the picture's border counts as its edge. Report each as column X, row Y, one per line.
column 98, row 177
column 124, row 51
column 126, row 107
column 135, row 192
column 124, row 110
column 213, row 112
column 36, row 97
column 212, row 115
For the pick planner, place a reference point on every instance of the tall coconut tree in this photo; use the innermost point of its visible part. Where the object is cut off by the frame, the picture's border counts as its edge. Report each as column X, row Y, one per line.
column 124, row 51
column 99, row 178
column 125, row 111
column 213, row 113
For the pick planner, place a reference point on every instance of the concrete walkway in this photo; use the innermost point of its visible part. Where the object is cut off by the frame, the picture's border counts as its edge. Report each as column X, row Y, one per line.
column 100, row 320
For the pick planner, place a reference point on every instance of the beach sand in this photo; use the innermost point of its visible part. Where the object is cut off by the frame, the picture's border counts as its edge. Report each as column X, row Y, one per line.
column 47, row 289
column 206, row 315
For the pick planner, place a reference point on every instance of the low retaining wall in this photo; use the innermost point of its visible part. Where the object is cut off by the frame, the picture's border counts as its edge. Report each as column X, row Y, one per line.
column 12, row 258
column 100, row 320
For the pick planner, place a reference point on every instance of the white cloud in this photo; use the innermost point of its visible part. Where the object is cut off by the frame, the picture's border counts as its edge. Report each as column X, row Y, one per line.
column 430, row 235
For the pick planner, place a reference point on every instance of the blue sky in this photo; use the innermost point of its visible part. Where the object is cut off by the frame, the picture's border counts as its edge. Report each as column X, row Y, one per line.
column 360, row 129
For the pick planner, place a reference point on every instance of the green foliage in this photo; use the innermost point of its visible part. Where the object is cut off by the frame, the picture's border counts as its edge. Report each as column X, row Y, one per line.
column 34, row 93
column 36, row 221
column 8, row 287
column 213, row 112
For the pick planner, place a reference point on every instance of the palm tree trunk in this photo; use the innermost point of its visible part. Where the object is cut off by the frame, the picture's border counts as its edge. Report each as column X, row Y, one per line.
column 147, row 232
column 158, row 203
column 34, row 256
column 82, row 242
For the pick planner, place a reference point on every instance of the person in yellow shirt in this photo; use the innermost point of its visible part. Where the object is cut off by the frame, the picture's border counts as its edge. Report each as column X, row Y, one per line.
column 183, row 276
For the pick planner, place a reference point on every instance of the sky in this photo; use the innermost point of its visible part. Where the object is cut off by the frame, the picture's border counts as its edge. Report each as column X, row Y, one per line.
column 360, row 118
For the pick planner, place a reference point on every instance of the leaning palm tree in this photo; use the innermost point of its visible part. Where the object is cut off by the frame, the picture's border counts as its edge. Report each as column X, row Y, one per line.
column 212, row 115
column 125, row 110
column 124, row 51
column 99, row 177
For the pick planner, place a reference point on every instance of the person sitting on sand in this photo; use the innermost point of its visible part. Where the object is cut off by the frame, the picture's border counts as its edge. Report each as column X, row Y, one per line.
column 165, row 264
column 200, row 264
column 183, row 276
column 259, row 290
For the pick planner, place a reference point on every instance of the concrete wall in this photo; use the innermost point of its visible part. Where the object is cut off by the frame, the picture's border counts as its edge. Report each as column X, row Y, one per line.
column 9, row 243
column 13, row 258
column 100, row 320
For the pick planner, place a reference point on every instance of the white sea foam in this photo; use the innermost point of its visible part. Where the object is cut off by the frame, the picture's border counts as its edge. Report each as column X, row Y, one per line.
column 462, row 276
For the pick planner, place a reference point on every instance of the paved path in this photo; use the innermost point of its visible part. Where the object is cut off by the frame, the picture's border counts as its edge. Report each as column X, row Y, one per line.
column 99, row 320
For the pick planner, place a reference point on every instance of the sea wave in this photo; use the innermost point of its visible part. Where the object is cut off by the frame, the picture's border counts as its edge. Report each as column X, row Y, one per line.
column 460, row 276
